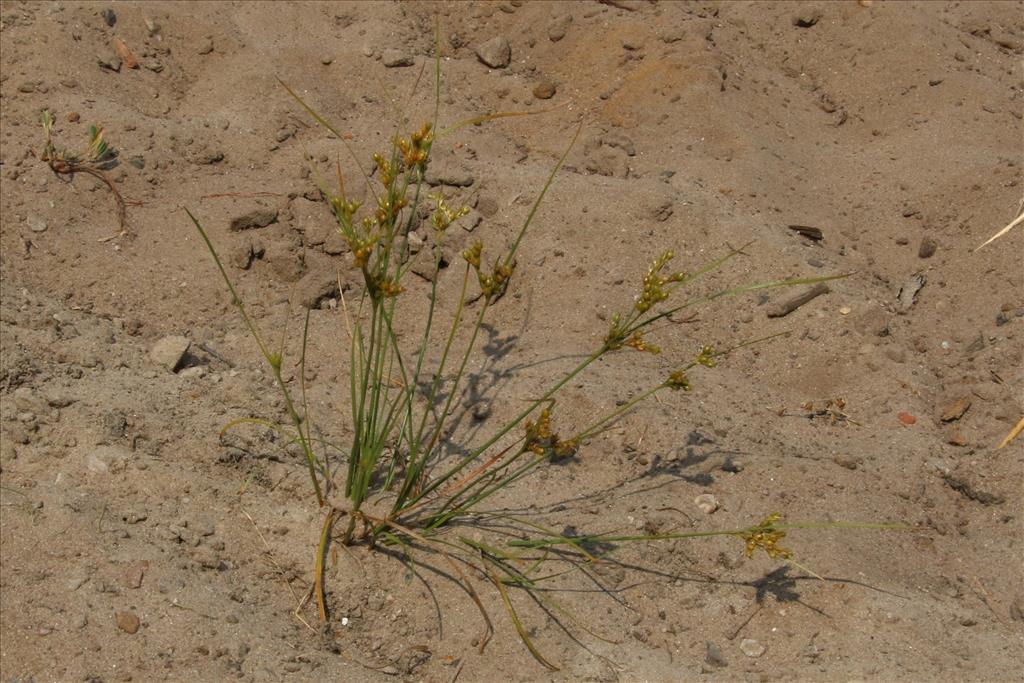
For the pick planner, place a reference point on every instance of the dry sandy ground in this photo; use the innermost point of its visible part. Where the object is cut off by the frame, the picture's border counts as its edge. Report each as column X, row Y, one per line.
column 137, row 545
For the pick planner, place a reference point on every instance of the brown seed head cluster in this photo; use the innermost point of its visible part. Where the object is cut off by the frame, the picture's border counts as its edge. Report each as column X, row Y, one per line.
column 707, row 357
column 493, row 284
column 654, row 283
column 766, row 536
column 638, row 342
column 542, row 441
column 678, row 380
column 416, row 150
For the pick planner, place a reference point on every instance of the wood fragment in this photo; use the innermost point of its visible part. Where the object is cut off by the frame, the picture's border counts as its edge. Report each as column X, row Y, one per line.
column 956, row 409
column 125, row 53
column 786, row 307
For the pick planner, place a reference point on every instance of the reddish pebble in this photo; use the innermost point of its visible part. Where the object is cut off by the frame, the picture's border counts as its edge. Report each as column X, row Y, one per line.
column 73, row 116
column 127, row 622
column 906, row 418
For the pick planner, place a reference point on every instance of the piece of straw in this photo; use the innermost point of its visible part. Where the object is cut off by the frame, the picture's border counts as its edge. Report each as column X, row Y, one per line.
column 1012, row 435
column 1014, row 223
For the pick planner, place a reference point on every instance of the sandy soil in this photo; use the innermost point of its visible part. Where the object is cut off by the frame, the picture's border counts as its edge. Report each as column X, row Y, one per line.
column 137, row 545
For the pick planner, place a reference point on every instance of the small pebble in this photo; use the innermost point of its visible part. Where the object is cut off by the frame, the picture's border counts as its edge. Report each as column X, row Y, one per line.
column 36, row 224
column 706, row 503
column 133, row 576
column 544, row 90
column 326, row 60
column 714, row 656
column 495, row 53
column 127, row 622
column 73, row 117
column 927, row 248
column 169, row 351
column 109, row 17
column 751, row 647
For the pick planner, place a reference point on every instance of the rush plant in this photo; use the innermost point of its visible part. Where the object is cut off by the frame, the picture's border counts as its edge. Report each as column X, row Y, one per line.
column 399, row 483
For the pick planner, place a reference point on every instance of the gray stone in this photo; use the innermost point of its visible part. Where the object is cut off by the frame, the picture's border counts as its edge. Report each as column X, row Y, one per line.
column 36, row 224
column 714, row 656
column 169, row 351
column 495, row 53
column 415, row 243
column 927, row 248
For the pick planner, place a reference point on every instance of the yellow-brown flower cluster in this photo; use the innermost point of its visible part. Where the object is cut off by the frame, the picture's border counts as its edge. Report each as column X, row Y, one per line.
column 493, row 284
column 638, row 342
column 766, row 536
column 416, row 150
column 678, row 380
column 654, row 283
column 542, row 441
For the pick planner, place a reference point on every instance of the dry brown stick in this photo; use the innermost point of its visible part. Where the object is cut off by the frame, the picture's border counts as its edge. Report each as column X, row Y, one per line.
column 786, row 307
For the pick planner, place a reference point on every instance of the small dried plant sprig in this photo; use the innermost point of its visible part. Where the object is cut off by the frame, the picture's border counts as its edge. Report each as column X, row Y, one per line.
column 90, row 161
